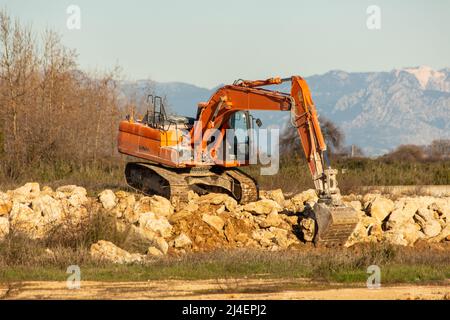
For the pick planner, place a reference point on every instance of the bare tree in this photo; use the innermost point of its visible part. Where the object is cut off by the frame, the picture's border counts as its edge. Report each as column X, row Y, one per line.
column 50, row 111
column 333, row 135
column 409, row 152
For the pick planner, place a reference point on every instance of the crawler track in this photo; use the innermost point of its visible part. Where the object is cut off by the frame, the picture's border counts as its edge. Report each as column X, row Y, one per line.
column 175, row 183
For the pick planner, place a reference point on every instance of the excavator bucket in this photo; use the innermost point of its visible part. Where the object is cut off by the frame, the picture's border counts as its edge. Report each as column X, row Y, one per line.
column 335, row 224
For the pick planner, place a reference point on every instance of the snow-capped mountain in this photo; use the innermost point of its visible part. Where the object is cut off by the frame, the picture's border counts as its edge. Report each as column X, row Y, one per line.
column 376, row 110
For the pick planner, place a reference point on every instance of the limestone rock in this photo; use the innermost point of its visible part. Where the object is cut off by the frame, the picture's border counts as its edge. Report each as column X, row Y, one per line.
column 161, row 244
column 161, row 206
column 5, row 205
column 277, row 196
column 355, row 205
column 192, row 196
column 380, row 208
column 108, row 251
column 444, row 235
column 264, row 206
column 428, row 223
column 368, row 198
column 263, row 236
column 125, row 205
column 25, row 221
column 154, row 252
column 159, row 225
column 273, row 219
column 280, row 237
column 309, row 196
column 403, row 212
column 108, row 199
column 182, row 241
column 214, row 221
column 75, row 195
column 4, row 227
column 395, row 238
column 217, row 199
column 230, row 232
column 49, row 208
column 368, row 229
column 297, row 202
column 26, row 193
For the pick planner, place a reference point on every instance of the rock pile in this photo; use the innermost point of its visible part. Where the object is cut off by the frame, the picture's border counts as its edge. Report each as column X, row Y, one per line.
column 213, row 221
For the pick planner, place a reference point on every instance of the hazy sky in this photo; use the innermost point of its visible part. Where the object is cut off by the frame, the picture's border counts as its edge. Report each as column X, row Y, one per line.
column 208, row 42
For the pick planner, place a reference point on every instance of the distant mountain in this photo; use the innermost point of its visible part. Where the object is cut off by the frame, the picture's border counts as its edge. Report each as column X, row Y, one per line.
column 376, row 110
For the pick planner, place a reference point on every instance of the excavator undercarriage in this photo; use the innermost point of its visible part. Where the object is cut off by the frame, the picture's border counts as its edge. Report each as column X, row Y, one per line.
column 175, row 184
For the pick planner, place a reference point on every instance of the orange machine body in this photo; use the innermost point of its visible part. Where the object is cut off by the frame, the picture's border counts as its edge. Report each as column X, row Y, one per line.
column 165, row 144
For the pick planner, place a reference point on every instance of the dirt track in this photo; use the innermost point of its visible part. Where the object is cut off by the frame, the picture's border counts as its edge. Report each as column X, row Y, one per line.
column 216, row 289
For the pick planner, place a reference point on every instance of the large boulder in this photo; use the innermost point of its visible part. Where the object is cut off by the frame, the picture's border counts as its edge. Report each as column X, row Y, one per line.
column 297, row 202
column 264, row 206
column 154, row 252
column 218, row 199
column 76, row 196
column 355, row 204
column 25, row 221
column 50, row 209
column 108, row 199
column 185, row 212
column 156, row 204
column 161, row 206
column 395, row 238
column 215, row 222
column 26, row 193
column 281, row 237
column 380, row 208
column 264, row 237
column 108, row 251
column 368, row 229
column 444, row 235
column 182, row 241
column 403, row 212
column 273, row 219
column 442, row 207
column 161, row 244
column 275, row 195
column 125, row 204
column 160, row 226
column 308, row 228
column 428, row 222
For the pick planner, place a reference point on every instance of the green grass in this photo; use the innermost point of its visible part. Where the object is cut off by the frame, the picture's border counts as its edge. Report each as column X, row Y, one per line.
column 321, row 265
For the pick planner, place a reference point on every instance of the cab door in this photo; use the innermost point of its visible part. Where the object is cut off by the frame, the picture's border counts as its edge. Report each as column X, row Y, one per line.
column 240, row 144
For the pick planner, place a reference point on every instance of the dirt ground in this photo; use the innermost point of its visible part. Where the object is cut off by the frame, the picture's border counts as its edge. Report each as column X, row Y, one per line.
column 218, row 289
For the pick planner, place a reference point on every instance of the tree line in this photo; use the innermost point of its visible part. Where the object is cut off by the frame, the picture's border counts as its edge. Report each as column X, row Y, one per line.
column 50, row 111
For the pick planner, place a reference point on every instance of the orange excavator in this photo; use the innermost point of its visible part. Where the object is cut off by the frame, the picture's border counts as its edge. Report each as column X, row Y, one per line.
column 181, row 153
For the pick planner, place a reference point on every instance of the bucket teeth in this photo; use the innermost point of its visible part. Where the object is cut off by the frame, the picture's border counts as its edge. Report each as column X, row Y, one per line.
column 335, row 224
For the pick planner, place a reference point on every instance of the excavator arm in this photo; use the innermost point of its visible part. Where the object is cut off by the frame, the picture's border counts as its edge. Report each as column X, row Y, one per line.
column 248, row 95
